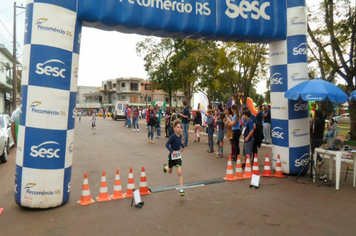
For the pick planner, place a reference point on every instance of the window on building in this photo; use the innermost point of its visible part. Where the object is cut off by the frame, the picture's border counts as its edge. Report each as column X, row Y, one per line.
column 149, row 99
column 123, row 97
column 141, row 84
column 122, row 85
column 114, row 86
column 134, row 87
column 174, row 99
column 141, row 97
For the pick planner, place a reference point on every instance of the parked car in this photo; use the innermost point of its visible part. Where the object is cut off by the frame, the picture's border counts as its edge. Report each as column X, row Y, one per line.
column 3, row 150
column 5, row 124
column 343, row 118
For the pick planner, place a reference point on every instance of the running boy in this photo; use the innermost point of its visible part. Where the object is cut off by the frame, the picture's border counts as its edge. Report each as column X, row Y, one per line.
column 175, row 147
column 93, row 122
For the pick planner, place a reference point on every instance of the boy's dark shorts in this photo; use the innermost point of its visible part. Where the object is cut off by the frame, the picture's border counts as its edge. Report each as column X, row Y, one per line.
column 93, row 124
column 172, row 163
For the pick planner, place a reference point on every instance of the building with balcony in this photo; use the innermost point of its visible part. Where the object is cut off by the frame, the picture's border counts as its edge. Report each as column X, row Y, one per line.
column 6, row 60
column 89, row 97
column 133, row 90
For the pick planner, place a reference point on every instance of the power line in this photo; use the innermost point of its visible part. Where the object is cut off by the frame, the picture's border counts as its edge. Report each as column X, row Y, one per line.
column 5, row 28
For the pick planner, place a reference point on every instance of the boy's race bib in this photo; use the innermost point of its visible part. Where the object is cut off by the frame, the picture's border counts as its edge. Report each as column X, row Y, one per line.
column 176, row 157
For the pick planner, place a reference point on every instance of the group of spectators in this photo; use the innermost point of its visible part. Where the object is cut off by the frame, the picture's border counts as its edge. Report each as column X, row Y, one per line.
column 230, row 122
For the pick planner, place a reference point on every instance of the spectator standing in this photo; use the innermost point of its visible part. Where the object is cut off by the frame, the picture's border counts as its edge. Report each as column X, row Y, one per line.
column 151, row 123
column 267, row 124
column 248, row 135
column 210, row 123
column 15, row 121
column 129, row 114
column 173, row 117
column 135, row 116
column 197, row 124
column 258, row 133
column 185, row 122
column 158, row 123
column 167, row 123
column 236, row 131
column 229, row 131
column 220, row 133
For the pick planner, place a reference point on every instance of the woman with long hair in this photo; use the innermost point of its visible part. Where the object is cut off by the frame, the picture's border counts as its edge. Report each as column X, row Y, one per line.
column 151, row 123
column 229, row 134
column 197, row 124
column 236, row 131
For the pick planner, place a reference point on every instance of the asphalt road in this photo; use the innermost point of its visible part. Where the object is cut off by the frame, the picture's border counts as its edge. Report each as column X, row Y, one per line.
column 279, row 207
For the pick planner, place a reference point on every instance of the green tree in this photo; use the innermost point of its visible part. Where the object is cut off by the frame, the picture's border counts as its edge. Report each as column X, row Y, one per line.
column 157, row 54
column 332, row 30
column 240, row 65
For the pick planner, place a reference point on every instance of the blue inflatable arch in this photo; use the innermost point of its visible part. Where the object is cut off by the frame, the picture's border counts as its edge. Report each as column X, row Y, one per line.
column 51, row 54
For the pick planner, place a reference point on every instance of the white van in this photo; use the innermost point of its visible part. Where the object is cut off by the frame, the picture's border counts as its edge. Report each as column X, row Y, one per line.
column 119, row 112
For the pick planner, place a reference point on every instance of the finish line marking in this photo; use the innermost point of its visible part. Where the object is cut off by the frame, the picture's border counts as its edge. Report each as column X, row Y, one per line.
column 188, row 185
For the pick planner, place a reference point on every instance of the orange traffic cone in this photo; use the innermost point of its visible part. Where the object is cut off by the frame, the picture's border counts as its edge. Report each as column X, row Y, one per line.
column 278, row 173
column 103, row 192
column 143, row 184
column 239, row 174
column 248, row 173
column 86, row 198
column 117, row 194
column 229, row 171
column 255, row 168
column 130, row 185
column 267, row 168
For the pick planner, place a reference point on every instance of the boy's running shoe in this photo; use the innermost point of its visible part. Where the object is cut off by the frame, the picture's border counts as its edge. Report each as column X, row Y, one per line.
column 210, row 151
column 164, row 168
column 181, row 192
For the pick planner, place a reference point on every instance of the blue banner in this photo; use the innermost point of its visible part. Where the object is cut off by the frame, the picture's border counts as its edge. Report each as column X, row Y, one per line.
column 225, row 20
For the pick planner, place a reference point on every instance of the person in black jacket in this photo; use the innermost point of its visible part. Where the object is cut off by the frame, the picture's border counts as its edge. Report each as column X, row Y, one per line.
column 317, row 132
column 197, row 124
column 258, row 134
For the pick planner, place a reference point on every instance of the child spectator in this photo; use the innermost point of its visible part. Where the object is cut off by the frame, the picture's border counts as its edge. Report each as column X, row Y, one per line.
column 219, row 120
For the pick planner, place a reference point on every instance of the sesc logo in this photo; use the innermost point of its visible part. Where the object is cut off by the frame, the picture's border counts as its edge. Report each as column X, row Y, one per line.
column 302, row 161
column 42, row 151
column 300, row 50
column 301, row 106
column 244, row 7
column 278, row 133
column 49, row 68
column 276, row 79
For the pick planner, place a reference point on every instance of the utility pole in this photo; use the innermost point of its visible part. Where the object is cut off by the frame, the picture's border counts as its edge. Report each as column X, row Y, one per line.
column 14, row 62
column 14, row 79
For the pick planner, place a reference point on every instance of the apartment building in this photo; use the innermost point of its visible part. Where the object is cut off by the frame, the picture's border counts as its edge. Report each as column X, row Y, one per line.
column 6, row 80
